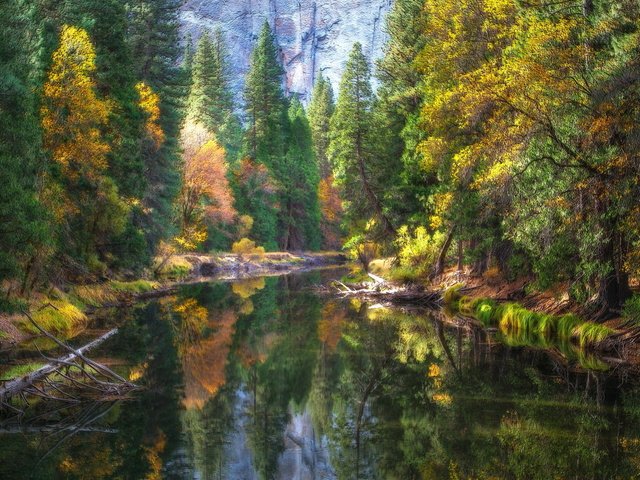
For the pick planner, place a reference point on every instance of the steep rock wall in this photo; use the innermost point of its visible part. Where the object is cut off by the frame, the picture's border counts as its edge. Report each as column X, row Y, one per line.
column 313, row 35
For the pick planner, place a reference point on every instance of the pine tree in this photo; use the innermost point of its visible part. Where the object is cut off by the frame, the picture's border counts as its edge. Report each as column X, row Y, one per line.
column 265, row 104
column 321, row 109
column 299, row 214
column 210, row 102
column 23, row 227
column 154, row 42
column 397, row 112
column 352, row 142
column 266, row 136
column 126, row 133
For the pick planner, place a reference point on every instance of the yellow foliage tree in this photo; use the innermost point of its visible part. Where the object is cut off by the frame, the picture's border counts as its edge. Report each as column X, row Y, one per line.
column 78, row 191
column 72, row 113
column 149, row 103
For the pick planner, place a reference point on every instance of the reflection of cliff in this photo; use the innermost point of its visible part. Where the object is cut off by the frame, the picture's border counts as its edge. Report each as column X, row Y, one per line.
column 204, row 361
column 314, row 35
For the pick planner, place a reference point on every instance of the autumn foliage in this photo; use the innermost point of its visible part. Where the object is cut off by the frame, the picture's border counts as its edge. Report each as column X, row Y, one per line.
column 72, row 113
column 205, row 195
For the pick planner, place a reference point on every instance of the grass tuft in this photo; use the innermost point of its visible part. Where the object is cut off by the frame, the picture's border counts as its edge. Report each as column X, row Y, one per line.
column 591, row 333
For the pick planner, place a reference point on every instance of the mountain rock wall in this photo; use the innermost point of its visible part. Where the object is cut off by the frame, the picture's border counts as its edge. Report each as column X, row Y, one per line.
column 313, row 35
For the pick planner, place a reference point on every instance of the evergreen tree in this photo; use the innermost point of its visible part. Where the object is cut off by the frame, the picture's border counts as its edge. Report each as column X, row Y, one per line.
column 300, row 214
column 23, row 229
column 154, row 42
column 321, row 109
column 210, row 102
column 397, row 112
column 352, row 143
column 265, row 104
column 107, row 24
column 266, row 133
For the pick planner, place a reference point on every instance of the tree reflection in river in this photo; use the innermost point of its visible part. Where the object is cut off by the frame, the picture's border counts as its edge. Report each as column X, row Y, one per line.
column 264, row 379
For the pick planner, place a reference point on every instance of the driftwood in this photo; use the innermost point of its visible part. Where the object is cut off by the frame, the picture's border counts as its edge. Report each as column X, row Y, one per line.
column 100, row 380
column 380, row 291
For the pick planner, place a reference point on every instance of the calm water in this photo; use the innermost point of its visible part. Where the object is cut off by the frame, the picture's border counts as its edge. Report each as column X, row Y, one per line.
column 263, row 379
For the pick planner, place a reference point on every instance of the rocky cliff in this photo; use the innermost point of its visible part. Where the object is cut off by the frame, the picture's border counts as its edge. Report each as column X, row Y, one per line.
column 313, row 35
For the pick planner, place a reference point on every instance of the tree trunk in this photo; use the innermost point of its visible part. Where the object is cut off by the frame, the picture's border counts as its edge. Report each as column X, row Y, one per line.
column 442, row 257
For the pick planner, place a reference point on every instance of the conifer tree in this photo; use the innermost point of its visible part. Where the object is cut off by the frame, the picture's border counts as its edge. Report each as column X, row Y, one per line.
column 23, row 229
column 265, row 103
column 352, row 142
column 321, row 109
column 154, row 42
column 210, row 102
column 265, row 136
column 299, row 214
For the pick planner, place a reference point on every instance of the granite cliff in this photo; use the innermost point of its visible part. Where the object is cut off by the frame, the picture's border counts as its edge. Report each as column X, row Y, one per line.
column 313, row 35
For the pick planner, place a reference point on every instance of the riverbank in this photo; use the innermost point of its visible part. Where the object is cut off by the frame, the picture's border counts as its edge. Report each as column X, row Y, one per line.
column 510, row 311
column 65, row 310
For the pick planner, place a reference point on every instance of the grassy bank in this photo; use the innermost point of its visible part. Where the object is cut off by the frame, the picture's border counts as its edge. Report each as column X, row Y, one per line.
column 64, row 313
column 517, row 322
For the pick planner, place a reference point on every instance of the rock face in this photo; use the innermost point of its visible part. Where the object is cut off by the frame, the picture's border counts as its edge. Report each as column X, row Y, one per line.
column 313, row 35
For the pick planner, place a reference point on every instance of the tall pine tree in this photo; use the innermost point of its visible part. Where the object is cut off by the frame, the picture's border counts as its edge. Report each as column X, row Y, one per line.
column 210, row 102
column 352, row 147
column 321, row 109
column 23, row 229
column 299, row 212
column 155, row 46
column 266, row 131
column 265, row 104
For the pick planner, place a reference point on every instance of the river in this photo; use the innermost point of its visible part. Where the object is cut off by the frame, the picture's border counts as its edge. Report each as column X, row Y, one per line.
column 266, row 379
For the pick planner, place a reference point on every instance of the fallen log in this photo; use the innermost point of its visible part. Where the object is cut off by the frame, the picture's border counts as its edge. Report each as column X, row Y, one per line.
column 14, row 387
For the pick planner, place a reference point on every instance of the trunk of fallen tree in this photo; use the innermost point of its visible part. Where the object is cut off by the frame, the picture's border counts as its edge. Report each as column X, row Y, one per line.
column 380, row 291
column 16, row 386
column 95, row 378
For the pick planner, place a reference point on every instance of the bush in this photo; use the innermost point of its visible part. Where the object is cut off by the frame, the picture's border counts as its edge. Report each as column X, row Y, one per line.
column 361, row 249
column 246, row 247
column 420, row 249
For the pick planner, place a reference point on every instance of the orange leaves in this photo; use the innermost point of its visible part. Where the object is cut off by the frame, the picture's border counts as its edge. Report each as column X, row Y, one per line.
column 331, row 212
column 72, row 114
column 255, row 177
column 205, row 194
column 205, row 360
column 149, row 103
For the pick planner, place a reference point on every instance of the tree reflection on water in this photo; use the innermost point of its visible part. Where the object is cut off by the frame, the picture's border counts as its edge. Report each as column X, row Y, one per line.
column 264, row 379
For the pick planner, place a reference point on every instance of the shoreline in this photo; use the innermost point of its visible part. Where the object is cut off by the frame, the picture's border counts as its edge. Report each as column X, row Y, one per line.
column 66, row 311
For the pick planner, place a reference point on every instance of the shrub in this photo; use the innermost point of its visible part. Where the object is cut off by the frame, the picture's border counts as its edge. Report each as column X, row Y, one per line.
column 244, row 247
column 362, row 249
column 419, row 249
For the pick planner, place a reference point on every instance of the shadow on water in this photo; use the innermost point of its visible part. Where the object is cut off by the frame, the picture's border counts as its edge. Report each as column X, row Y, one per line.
column 263, row 379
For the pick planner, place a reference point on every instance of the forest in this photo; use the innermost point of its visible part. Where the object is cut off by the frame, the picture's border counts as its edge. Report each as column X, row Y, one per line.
column 497, row 136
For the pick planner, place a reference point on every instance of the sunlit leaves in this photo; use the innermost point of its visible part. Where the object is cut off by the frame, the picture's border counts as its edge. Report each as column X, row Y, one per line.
column 72, row 113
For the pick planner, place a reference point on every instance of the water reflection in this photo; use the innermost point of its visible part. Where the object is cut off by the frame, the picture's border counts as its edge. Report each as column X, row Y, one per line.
column 263, row 379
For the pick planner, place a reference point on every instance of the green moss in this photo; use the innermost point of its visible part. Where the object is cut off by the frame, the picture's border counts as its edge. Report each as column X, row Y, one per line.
column 452, row 294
